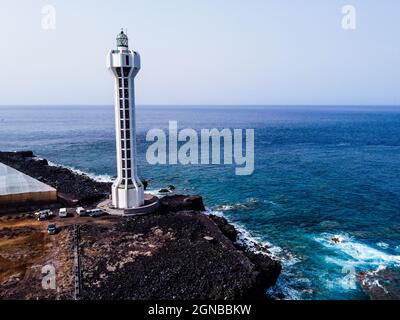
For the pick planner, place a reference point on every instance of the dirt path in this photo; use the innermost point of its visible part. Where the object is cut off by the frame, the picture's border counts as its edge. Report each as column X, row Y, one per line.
column 26, row 247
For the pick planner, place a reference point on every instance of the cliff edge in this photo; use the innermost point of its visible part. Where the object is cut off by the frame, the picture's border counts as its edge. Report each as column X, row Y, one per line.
column 176, row 253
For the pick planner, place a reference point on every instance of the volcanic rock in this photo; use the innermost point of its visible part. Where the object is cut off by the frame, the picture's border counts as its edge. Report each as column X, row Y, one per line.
column 177, row 203
column 227, row 229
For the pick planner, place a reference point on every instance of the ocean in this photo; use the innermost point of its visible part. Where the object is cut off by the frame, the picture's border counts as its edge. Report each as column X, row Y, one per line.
column 320, row 173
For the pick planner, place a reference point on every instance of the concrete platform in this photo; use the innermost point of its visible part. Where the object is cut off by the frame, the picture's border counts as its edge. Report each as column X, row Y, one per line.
column 17, row 187
column 151, row 204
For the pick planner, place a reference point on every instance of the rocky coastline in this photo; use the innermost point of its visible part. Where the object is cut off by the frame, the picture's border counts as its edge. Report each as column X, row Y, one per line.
column 176, row 253
column 72, row 188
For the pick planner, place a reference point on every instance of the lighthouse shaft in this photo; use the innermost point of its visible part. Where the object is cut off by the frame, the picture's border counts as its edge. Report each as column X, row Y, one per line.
column 127, row 189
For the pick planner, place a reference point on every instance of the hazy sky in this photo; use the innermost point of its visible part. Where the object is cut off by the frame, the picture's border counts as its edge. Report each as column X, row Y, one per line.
column 203, row 51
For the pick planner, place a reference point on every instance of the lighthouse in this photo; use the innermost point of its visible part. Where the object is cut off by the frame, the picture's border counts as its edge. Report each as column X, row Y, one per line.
column 124, row 64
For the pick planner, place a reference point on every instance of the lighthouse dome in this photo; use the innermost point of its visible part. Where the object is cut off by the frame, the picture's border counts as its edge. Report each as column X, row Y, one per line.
column 122, row 40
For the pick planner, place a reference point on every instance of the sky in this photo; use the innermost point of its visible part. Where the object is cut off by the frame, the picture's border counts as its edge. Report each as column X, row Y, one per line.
column 219, row 52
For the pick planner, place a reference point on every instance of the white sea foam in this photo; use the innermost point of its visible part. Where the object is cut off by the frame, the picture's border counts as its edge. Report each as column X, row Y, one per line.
column 383, row 245
column 274, row 204
column 375, row 283
column 355, row 253
column 248, row 240
column 250, row 202
column 282, row 287
column 369, row 279
column 226, row 207
column 155, row 192
column 343, row 144
column 98, row 178
column 256, row 244
column 352, row 256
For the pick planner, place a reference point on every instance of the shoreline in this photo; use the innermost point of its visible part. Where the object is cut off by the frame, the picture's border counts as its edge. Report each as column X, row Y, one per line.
column 72, row 188
column 181, row 219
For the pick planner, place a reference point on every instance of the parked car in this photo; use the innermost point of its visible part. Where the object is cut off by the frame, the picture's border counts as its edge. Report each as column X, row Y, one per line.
column 51, row 228
column 43, row 214
column 96, row 213
column 47, row 212
column 80, row 211
column 63, row 213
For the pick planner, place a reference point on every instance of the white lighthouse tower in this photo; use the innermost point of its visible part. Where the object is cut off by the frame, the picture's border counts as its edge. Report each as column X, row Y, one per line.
column 127, row 190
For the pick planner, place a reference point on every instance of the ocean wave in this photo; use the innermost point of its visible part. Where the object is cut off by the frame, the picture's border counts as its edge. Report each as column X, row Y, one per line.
column 353, row 252
column 156, row 192
column 367, row 276
column 358, row 263
column 98, row 178
column 250, row 241
column 381, row 283
column 283, row 288
column 343, row 144
column 274, row 204
column 250, row 203
column 246, row 239
column 382, row 244
column 286, row 282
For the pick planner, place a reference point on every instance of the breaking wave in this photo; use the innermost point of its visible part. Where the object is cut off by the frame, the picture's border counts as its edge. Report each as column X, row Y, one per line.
column 358, row 262
column 256, row 244
column 370, row 280
column 355, row 253
column 98, row 178
column 250, row 203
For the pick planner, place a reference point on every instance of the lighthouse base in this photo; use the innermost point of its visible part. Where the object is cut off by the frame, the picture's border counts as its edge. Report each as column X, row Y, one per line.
column 151, row 204
column 127, row 198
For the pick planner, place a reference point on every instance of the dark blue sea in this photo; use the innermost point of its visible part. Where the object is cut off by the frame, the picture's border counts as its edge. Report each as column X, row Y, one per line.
column 320, row 173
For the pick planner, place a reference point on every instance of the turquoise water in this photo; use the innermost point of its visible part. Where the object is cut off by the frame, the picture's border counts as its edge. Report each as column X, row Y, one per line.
column 319, row 172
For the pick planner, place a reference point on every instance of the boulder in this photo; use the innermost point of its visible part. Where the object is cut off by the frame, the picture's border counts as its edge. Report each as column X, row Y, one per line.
column 164, row 190
column 175, row 203
column 267, row 272
column 227, row 229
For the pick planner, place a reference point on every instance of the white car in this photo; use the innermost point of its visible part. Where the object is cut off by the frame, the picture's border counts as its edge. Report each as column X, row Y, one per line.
column 63, row 213
column 96, row 213
column 80, row 211
column 43, row 214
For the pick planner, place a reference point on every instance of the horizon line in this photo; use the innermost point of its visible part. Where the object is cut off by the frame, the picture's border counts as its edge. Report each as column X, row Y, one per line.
column 204, row 105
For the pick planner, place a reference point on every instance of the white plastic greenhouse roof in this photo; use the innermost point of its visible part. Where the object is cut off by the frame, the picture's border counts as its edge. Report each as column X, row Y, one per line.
column 14, row 182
